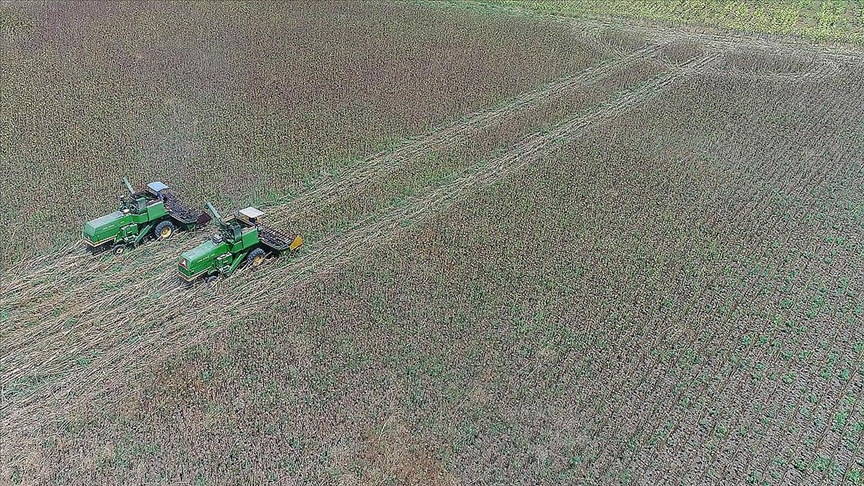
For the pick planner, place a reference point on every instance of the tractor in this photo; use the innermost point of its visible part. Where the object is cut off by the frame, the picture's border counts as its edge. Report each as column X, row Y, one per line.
column 150, row 213
column 242, row 238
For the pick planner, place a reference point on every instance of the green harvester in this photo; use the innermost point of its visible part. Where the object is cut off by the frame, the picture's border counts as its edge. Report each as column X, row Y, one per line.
column 150, row 213
column 241, row 238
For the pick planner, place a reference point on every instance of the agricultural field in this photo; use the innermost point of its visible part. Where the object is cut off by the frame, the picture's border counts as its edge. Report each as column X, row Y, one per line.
column 817, row 20
column 538, row 251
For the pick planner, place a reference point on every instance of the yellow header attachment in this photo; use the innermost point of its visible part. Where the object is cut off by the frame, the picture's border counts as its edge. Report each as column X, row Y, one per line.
column 296, row 243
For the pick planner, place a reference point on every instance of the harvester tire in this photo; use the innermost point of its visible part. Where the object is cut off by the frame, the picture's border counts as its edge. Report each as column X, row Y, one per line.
column 118, row 249
column 256, row 257
column 164, row 230
column 211, row 280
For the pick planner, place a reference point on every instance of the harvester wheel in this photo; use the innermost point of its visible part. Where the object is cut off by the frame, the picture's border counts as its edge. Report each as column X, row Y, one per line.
column 164, row 230
column 119, row 249
column 256, row 257
column 211, row 280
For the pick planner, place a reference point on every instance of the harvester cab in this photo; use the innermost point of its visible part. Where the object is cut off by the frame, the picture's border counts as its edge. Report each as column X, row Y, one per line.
column 250, row 214
column 233, row 226
column 138, row 201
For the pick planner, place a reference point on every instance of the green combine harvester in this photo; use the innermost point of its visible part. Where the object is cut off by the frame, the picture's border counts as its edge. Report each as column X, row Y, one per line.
column 241, row 238
column 150, row 213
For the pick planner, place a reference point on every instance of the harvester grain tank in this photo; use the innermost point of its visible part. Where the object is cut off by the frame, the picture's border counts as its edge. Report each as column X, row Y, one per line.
column 242, row 239
column 150, row 213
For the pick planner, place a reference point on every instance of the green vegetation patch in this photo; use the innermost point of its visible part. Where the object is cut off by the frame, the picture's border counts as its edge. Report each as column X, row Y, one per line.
column 818, row 20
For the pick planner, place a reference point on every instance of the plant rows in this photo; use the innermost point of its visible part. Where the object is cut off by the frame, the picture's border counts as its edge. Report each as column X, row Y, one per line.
column 597, row 280
column 65, row 320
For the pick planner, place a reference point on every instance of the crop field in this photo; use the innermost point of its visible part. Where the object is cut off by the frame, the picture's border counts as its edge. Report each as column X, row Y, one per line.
column 266, row 99
column 537, row 251
column 819, row 20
